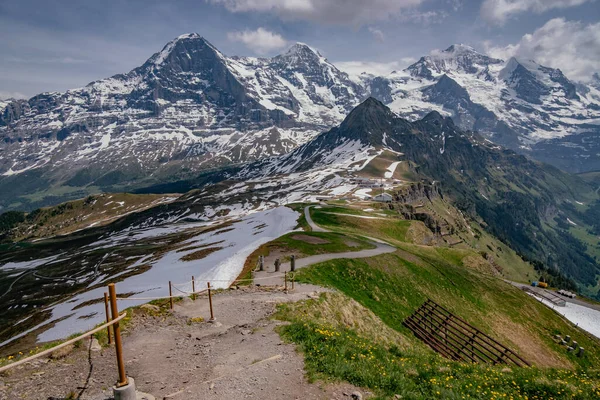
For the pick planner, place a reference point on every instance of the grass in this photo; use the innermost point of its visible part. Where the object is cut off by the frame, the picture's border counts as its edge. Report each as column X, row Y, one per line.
column 98, row 209
column 332, row 242
column 288, row 244
column 402, row 232
column 392, row 287
column 379, row 165
column 393, row 230
column 389, row 372
column 200, row 254
column 299, row 207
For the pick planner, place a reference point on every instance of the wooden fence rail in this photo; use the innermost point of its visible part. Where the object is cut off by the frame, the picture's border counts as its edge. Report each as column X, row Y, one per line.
column 454, row 338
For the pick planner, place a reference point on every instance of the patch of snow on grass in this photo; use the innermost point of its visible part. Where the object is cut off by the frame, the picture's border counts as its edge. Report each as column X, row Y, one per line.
column 220, row 268
column 391, row 169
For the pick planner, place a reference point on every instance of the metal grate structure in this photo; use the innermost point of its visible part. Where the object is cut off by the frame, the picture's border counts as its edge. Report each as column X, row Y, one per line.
column 457, row 340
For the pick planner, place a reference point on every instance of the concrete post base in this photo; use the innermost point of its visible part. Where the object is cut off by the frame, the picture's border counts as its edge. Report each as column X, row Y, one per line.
column 126, row 392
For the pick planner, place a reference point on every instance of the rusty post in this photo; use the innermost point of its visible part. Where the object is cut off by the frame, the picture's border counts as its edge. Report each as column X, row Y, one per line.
column 193, row 289
column 285, row 280
column 117, row 334
column 108, row 319
column 170, row 295
column 212, row 316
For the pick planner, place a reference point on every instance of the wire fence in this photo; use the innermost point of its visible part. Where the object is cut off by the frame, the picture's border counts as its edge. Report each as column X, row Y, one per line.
column 286, row 276
column 60, row 346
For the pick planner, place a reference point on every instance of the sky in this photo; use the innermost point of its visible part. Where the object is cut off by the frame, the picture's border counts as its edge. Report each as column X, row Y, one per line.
column 55, row 45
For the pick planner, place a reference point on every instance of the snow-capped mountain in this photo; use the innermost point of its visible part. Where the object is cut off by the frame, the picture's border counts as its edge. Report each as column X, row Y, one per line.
column 190, row 108
column 187, row 108
column 516, row 198
column 516, row 103
column 4, row 103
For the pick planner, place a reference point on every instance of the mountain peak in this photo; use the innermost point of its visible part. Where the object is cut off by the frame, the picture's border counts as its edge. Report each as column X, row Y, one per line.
column 368, row 121
column 372, row 106
column 460, row 48
column 192, row 35
column 300, row 48
column 456, row 58
column 435, row 118
column 182, row 45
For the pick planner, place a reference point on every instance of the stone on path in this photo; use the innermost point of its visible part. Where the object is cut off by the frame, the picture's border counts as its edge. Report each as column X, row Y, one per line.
column 95, row 345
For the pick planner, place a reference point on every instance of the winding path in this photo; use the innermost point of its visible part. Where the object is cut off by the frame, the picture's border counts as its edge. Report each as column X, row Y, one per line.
column 272, row 278
column 313, row 226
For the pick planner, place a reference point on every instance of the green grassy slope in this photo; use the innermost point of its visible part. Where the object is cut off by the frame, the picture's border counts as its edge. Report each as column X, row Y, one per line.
column 356, row 333
column 477, row 243
column 392, row 286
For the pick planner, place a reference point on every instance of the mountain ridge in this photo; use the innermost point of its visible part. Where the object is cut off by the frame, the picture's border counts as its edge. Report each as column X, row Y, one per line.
column 190, row 108
column 522, row 202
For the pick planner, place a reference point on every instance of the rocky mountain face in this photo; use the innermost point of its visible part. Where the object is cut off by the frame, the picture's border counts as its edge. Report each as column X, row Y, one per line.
column 189, row 108
column 519, row 104
column 526, row 204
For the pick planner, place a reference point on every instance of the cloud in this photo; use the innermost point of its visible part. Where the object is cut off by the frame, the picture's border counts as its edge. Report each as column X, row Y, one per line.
column 377, row 34
column 498, row 11
column 49, row 60
column 261, row 41
column 569, row 45
column 425, row 18
column 355, row 68
column 352, row 12
column 11, row 95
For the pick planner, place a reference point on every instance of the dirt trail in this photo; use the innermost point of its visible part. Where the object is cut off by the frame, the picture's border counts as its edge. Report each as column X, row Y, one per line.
column 238, row 356
column 270, row 277
column 313, row 226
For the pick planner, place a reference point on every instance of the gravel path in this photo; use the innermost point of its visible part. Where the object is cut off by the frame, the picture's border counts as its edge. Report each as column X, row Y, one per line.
column 270, row 277
column 239, row 356
column 356, row 216
column 313, row 226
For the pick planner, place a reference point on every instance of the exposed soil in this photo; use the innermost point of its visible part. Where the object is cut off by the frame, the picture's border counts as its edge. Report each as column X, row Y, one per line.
column 238, row 356
column 310, row 239
column 200, row 254
column 528, row 346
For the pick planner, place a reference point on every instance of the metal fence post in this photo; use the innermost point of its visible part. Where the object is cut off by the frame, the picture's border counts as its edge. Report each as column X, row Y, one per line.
column 293, row 263
column 285, row 281
column 108, row 319
column 117, row 333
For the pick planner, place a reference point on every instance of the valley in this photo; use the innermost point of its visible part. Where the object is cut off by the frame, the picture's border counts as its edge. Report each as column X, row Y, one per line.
column 425, row 184
column 380, row 211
